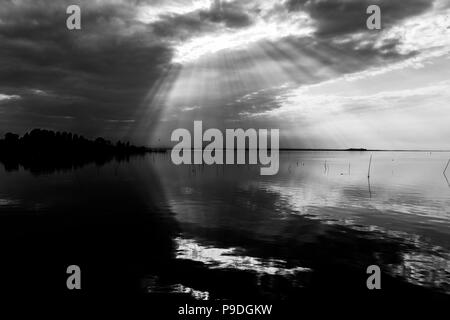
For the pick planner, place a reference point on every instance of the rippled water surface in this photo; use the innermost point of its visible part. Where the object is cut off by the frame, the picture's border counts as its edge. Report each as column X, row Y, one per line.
column 217, row 226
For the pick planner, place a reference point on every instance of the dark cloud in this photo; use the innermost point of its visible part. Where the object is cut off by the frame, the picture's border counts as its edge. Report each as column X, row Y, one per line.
column 102, row 71
column 337, row 17
column 220, row 15
column 183, row 27
column 231, row 14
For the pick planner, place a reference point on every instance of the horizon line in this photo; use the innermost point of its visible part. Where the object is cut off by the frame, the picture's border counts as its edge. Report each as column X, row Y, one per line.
column 316, row 149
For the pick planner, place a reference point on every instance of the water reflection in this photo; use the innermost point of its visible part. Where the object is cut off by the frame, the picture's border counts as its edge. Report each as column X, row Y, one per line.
column 237, row 215
column 226, row 232
column 219, row 258
column 424, row 269
column 105, row 219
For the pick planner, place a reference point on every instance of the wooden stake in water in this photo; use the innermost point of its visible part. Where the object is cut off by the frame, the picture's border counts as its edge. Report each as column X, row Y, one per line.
column 370, row 164
column 446, row 166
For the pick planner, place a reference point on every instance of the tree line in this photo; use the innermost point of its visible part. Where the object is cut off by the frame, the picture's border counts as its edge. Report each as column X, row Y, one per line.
column 47, row 151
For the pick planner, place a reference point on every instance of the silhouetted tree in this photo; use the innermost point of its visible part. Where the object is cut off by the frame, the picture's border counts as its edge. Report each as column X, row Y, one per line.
column 46, row 151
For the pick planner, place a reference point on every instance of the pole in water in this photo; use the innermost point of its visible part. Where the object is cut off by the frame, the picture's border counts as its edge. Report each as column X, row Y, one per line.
column 446, row 166
column 370, row 163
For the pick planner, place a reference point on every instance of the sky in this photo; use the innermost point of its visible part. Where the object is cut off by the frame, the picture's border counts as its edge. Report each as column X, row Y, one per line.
column 138, row 69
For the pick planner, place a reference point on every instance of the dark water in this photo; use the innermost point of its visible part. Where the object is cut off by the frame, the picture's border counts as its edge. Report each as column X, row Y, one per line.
column 224, row 232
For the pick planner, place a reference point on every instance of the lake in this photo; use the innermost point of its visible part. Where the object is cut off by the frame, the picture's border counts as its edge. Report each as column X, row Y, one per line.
column 201, row 232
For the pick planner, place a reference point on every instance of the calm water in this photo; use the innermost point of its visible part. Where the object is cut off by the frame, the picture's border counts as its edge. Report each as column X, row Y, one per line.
column 204, row 231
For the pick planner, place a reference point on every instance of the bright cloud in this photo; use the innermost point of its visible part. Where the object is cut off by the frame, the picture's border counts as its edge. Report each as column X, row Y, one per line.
column 425, row 32
column 153, row 13
column 230, row 39
column 429, row 35
column 8, row 97
column 302, row 104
